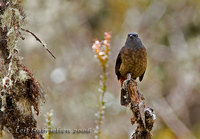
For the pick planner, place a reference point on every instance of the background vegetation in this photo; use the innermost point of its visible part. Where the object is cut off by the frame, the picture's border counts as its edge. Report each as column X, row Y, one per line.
column 170, row 31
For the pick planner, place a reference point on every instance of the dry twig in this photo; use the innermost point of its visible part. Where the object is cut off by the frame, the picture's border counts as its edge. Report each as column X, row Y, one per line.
column 142, row 115
column 37, row 39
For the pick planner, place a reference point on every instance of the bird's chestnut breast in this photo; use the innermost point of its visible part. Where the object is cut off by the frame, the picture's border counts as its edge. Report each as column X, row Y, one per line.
column 134, row 60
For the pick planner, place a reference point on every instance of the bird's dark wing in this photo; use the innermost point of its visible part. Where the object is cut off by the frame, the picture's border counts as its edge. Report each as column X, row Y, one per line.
column 141, row 77
column 117, row 65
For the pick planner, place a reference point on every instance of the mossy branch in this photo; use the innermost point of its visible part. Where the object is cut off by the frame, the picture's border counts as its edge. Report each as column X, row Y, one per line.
column 142, row 115
column 19, row 90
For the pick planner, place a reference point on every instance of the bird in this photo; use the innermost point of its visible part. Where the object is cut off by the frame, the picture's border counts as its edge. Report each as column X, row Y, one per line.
column 132, row 58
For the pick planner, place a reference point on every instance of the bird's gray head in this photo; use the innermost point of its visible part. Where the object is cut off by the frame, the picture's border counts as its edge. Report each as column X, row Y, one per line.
column 133, row 40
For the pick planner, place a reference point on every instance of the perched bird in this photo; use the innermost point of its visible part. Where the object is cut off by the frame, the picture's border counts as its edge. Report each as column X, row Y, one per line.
column 132, row 58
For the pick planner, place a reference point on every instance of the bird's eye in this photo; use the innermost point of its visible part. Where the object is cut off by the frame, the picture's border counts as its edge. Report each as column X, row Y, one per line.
column 133, row 35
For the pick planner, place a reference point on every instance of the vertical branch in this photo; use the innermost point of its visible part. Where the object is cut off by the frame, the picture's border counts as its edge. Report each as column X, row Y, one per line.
column 142, row 115
column 102, row 51
column 19, row 90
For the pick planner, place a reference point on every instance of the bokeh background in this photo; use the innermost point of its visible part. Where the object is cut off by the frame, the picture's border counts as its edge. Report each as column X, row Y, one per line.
column 170, row 30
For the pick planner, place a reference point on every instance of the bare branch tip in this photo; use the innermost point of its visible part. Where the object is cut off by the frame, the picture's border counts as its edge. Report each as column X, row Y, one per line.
column 38, row 39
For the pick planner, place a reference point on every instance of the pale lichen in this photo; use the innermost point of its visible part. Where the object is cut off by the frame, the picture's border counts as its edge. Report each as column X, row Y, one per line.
column 19, row 89
column 23, row 76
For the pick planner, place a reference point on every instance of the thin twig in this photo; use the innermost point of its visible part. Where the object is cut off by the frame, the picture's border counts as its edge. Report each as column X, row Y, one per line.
column 37, row 39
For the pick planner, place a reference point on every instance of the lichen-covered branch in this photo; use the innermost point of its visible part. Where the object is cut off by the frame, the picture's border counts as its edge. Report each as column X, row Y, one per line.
column 142, row 115
column 19, row 90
